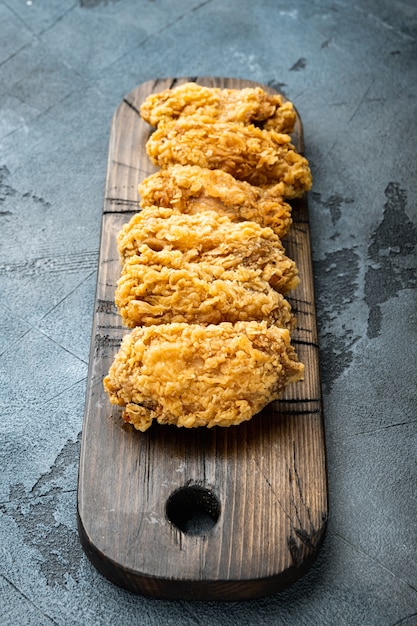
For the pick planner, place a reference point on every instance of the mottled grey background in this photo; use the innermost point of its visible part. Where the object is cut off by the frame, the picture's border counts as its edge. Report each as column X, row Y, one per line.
column 351, row 70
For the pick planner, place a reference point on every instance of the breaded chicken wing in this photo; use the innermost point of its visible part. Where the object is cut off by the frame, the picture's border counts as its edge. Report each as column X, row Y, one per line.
column 246, row 106
column 194, row 375
column 257, row 156
column 190, row 189
column 208, row 237
column 152, row 290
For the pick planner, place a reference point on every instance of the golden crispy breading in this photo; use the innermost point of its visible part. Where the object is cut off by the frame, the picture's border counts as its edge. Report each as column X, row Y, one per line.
column 246, row 106
column 152, row 290
column 190, row 189
column 196, row 375
column 208, row 237
column 257, row 156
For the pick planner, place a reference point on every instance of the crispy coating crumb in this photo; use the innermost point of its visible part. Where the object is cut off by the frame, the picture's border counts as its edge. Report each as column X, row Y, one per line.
column 260, row 157
column 208, row 237
column 192, row 375
column 246, row 106
column 155, row 290
column 190, row 189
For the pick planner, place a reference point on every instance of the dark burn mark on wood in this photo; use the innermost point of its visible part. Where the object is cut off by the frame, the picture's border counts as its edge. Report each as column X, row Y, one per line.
column 295, row 551
column 300, row 311
column 303, row 342
column 302, row 542
column 103, row 342
column 119, row 203
column 301, row 329
column 106, row 306
column 306, row 538
column 391, row 254
column 131, row 106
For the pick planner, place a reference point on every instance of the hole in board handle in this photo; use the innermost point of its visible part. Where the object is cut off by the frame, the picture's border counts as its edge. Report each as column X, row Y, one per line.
column 193, row 509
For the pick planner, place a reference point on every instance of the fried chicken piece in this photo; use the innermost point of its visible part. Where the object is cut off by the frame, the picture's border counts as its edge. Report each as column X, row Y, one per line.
column 208, row 237
column 154, row 291
column 190, row 189
column 196, row 375
column 260, row 157
column 245, row 106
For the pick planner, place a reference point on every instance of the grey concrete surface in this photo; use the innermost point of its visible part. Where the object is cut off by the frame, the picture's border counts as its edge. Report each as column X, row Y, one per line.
column 351, row 70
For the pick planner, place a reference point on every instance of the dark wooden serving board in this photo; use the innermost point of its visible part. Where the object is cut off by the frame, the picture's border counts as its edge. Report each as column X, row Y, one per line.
column 267, row 477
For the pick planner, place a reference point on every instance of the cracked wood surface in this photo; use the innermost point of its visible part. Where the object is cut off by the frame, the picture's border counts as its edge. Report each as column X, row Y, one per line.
column 269, row 474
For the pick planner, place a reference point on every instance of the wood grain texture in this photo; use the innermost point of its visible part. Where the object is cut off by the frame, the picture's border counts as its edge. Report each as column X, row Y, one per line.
column 268, row 475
